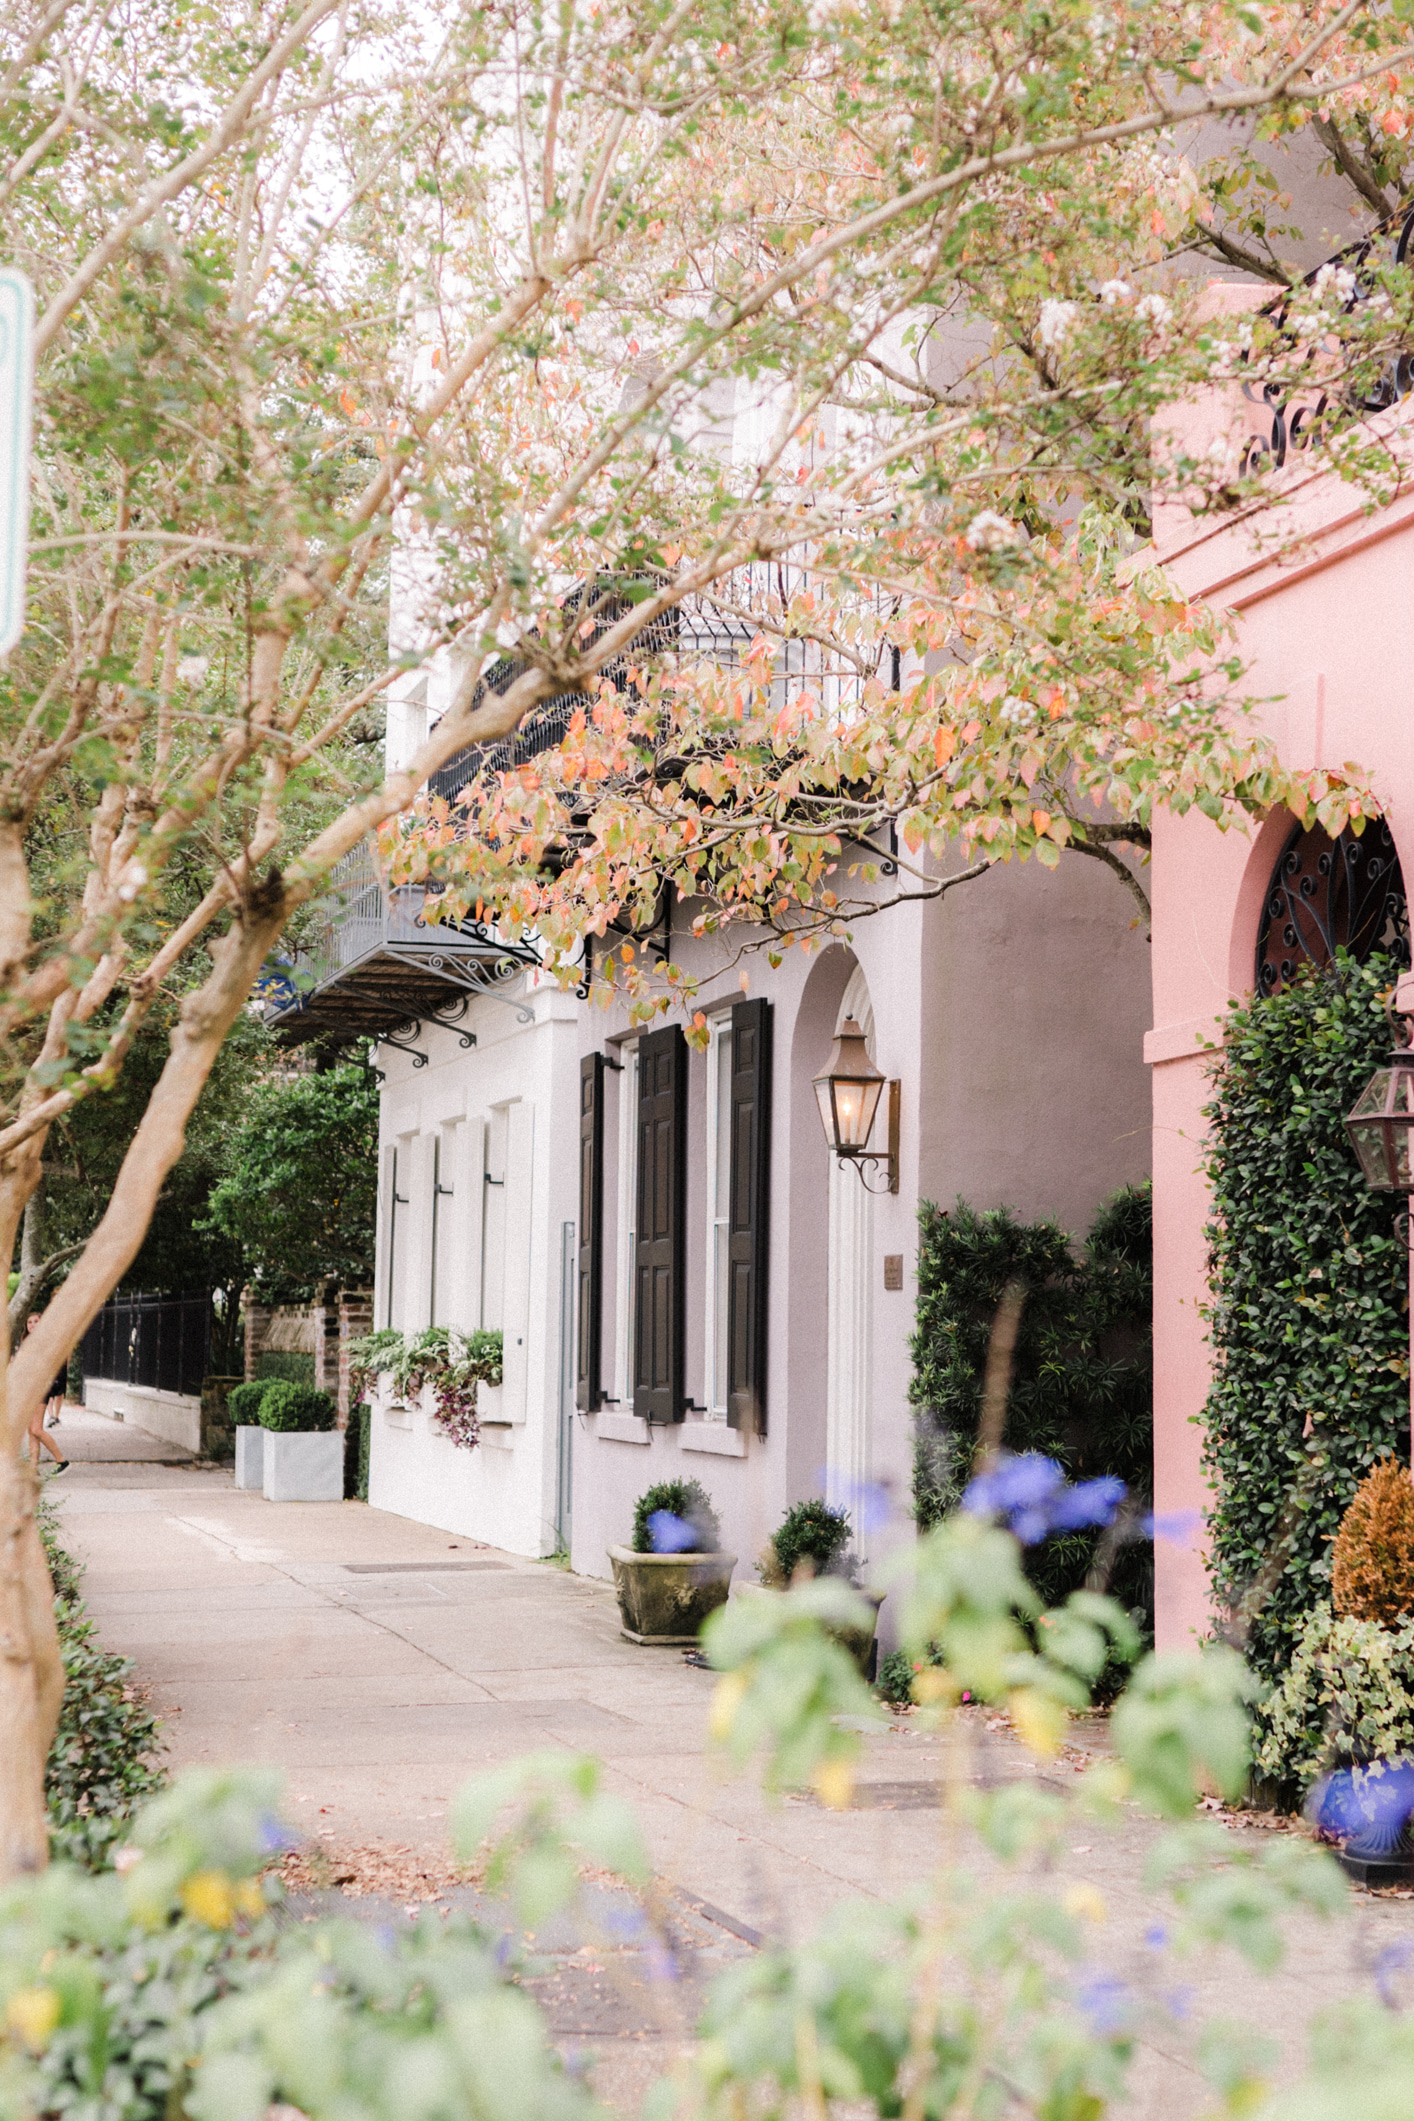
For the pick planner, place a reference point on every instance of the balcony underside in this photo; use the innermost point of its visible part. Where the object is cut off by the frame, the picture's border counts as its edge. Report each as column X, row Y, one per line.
column 392, row 987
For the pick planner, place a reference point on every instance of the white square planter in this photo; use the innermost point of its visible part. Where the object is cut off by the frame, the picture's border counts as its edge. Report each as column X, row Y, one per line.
column 304, row 1465
column 250, row 1456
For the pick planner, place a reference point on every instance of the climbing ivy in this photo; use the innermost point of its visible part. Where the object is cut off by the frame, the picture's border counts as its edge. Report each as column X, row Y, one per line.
column 1310, row 1300
column 1082, row 1372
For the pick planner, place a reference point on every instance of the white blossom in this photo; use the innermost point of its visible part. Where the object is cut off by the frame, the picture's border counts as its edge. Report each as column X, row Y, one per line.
column 989, row 532
column 192, row 669
column 1057, row 323
column 1154, row 309
column 1115, row 291
column 1336, row 281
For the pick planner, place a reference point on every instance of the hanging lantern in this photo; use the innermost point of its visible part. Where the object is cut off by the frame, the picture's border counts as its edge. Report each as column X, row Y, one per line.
column 1381, row 1123
column 848, row 1094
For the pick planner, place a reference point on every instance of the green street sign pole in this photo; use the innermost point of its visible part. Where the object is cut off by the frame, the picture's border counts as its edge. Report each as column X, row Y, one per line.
column 16, row 394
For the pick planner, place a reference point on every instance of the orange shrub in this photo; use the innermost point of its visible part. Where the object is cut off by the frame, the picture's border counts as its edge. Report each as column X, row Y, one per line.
column 1373, row 1576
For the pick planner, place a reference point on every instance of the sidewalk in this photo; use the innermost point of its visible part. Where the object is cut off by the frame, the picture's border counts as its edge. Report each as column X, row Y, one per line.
column 380, row 1662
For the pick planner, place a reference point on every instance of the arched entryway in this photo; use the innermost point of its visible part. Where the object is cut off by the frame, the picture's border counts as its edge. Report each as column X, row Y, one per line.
column 849, row 1305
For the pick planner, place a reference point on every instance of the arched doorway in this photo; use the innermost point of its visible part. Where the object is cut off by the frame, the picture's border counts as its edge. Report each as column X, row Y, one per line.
column 850, row 1332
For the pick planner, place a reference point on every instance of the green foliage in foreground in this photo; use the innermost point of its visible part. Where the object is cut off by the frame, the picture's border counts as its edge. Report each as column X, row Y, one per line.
column 1082, row 1388
column 1310, row 1314
column 172, row 1992
column 102, row 1764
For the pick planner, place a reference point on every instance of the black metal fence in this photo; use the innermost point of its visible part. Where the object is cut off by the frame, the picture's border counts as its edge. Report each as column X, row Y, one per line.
column 163, row 1342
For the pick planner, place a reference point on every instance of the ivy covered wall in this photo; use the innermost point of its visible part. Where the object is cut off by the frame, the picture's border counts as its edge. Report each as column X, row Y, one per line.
column 1309, row 1318
column 1082, row 1375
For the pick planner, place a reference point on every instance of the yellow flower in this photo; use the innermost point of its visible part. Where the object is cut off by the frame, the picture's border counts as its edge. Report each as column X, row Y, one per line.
column 730, row 1693
column 1084, row 1901
column 834, row 1780
column 32, row 2014
column 931, row 1686
column 207, row 1897
column 249, row 1897
column 1040, row 1721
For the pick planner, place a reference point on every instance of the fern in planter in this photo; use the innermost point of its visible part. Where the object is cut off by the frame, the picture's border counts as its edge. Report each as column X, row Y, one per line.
column 452, row 1363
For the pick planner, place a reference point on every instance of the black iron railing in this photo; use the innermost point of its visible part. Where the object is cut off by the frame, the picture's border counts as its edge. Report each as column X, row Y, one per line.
column 161, row 1342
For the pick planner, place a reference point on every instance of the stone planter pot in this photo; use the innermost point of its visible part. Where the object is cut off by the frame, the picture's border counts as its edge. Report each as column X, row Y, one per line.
column 304, row 1465
column 859, row 1642
column 664, row 1598
column 250, row 1456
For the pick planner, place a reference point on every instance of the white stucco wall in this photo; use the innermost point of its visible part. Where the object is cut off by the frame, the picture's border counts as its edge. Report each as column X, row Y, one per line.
column 503, row 1111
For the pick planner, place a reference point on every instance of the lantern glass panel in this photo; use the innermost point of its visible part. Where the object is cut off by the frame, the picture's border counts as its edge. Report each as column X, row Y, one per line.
column 847, row 1107
column 1369, row 1139
column 1372, row 1097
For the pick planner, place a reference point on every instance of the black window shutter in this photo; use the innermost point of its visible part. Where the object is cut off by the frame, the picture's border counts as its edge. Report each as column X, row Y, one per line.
column 749, row 1228
column 660, row 1251
column 590, row 1279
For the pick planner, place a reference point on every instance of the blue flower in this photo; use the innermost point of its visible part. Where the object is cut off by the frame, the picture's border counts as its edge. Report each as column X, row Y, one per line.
column 1156, row 1937
column 275, row 1835
column 670, row 1534
column 1180, row 1528
column 1032, row 1494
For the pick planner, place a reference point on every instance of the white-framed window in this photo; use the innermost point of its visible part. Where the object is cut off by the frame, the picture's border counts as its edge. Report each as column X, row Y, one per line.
column 626, row 1226
column 719, row 1204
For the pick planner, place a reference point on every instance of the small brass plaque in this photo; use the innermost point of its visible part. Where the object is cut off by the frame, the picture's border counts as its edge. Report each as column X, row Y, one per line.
column 893, row 1270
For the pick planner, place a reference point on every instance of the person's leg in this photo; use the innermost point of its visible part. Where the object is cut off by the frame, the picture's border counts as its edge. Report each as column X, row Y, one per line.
column 52, row 1412
column 38, row 1437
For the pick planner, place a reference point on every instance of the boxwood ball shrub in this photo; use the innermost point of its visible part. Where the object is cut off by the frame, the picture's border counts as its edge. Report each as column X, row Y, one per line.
column 687, row 1499
column 288, row 1407
column 811, row 1537
column 1309, row 1320
column 243, row 1402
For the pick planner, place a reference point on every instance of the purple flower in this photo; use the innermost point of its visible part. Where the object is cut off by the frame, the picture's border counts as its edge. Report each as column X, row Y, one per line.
column 275, row 1835
column 1105, row 2001
column 1032, row 1494
column 670, row 1534
column 1156, row 1937
column 1180, row 1528
column 1391, row 1961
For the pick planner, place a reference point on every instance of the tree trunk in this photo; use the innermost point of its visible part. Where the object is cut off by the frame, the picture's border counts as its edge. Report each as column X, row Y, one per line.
column 31, row 1673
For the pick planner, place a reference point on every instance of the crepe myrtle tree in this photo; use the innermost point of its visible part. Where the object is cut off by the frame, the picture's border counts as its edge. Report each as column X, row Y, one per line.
column 482, row 284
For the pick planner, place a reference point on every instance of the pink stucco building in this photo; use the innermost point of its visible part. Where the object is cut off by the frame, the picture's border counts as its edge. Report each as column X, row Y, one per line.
column 1319, row 586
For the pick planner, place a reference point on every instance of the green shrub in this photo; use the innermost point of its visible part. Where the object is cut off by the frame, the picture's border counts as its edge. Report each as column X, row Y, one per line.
column 243, row 1402
column 357, row 1438
column 895, row 1680
column 810, row 1532
column 288, row 1407
column 1082, row 1373
column 287, row 1365
column 1347, row 1695
column 687, row 1499
column 1309, row 1315
column 102, row 1764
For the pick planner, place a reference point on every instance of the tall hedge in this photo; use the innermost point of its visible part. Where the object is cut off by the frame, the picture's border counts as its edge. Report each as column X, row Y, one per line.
column 1082, row 1375
column 1309, row 1314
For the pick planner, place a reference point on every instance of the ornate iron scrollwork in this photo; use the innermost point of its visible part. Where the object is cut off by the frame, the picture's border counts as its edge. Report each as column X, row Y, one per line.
column 398, row 1040
column 1327, row 895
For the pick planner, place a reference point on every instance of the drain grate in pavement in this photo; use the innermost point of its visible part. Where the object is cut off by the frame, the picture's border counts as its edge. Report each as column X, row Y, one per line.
column 414, row 1568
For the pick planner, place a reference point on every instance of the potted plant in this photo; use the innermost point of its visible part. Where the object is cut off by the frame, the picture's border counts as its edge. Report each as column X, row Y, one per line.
column 243, row 1404
column 303, row 1453
column 1339, row 1725
column 813, row 1540
column 675, row 1573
